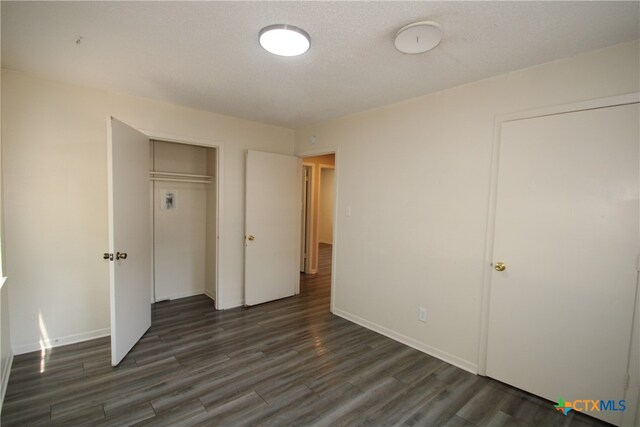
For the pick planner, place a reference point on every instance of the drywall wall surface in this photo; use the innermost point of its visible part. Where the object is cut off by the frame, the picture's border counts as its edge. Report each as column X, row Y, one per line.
column 6, row 354
column 180, row 233
column 179, row 239
column 416, row 177
column 325, row 208
column 55, row 181
column 179, row 158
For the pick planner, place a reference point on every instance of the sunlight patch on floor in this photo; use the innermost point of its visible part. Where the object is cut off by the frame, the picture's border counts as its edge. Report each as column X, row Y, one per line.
column 45, row 343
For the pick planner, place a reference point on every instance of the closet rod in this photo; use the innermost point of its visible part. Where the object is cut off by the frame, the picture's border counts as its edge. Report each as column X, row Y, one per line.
column 186, row 175
column 195, row 181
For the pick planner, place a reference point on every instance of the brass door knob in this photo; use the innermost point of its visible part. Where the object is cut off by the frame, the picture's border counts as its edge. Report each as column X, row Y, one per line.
column 251, row 237
column 121, row 255
column 107, row 256
column 500, row 266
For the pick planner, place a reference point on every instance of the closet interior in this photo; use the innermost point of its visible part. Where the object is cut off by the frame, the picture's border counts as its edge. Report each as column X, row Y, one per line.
column 183, row 207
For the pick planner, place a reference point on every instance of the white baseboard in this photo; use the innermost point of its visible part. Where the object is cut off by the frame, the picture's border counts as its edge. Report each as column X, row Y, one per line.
column 180, row 295
column 233, row 304
column 432, row 351
column 57, row 342
column 209, row 294
column 6, row 370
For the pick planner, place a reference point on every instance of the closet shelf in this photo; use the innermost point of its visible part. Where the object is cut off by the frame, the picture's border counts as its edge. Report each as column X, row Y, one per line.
column 180, row 177
column 185, row 175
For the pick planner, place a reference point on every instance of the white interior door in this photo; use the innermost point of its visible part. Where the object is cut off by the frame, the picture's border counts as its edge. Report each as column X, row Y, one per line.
column 272, row 227
column 129, row 237
column 567, row 231
column 303, row 218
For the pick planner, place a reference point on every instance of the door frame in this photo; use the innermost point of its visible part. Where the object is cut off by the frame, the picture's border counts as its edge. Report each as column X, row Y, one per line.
column 334, row 260
column 310, row 224
column 632, row 392
column 219, row 177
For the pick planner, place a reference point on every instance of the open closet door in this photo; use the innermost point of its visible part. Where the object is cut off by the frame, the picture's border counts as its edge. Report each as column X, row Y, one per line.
column 272, row 227
column 129, row 237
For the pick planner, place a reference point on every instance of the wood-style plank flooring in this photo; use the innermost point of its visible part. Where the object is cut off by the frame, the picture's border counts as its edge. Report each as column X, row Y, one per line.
column 289, row 362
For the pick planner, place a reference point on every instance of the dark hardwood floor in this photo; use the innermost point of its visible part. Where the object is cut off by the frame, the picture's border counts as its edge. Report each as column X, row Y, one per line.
column 288, row 362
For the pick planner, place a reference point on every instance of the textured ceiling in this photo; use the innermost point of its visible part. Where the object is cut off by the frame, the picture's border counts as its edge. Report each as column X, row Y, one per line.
column 206, row 54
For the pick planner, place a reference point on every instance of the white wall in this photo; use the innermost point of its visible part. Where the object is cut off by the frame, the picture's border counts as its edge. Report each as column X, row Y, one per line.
column 416, row 176
column 55, row 178
column 180, row 233
column 325, row 208
column 6, row 355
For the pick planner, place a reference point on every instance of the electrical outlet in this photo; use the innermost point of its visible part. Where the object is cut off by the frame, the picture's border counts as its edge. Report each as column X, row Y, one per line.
column 422, row 314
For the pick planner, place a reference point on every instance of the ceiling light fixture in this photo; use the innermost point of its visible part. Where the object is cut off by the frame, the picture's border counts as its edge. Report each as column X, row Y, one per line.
column 284, row 40
column 418, row 37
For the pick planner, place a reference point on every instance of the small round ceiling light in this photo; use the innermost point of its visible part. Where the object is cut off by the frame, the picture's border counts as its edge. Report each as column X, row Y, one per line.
column 284, row 40
column 418, row 37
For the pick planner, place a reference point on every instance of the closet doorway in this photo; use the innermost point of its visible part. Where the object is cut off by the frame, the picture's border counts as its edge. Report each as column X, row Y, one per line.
column 183, row 206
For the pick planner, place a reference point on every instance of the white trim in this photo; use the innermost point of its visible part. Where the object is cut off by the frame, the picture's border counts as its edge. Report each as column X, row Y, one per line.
column 180, row 139
column 313, row 152
column 611, row 101
column 219, row 183
column 591, row 104
column 181, row 295
column 3, row 280
column 309, row 249
column 152, row 149
column 432, row 351
column 6, row 370
column 334, row 247
column 312, row 250
column 210, row 295
column 219, row 228
column 299, row 185
column 312, row 254
column 60, row 341
column 232, row 304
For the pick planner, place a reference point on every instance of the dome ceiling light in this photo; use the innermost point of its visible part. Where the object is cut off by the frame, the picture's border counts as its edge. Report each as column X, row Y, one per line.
column 284, row 40
column 418, row 37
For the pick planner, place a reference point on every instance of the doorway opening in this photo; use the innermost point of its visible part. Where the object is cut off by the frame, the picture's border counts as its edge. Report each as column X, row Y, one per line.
column 137, row 163
column 183, row 206
column 317, row 225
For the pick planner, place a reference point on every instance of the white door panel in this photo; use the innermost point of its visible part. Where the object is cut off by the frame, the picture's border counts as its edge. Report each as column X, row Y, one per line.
column 272, row 226
column 129, row 232
column 567, row 230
